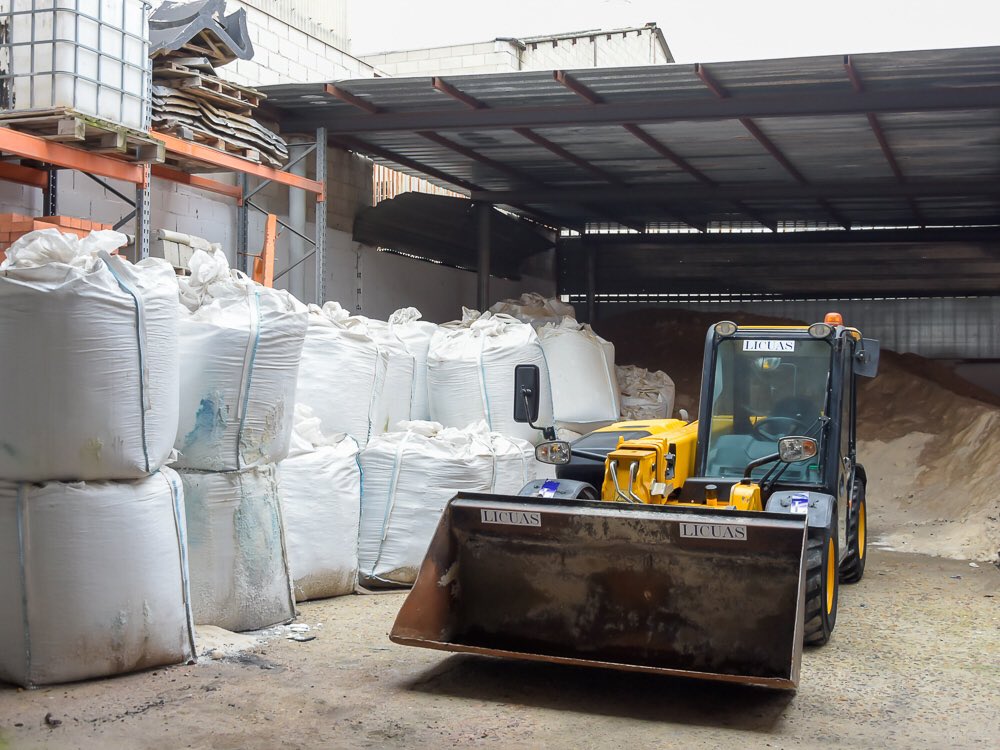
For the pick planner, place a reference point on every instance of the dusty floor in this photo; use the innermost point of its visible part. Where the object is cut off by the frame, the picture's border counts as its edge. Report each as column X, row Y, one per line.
column 914, row 663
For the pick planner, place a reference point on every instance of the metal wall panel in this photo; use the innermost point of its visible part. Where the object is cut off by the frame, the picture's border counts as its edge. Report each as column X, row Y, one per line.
column 940, row 328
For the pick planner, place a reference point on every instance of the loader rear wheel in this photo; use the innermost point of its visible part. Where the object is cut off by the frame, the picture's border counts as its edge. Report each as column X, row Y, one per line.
column 853, row 565
column 822, row 587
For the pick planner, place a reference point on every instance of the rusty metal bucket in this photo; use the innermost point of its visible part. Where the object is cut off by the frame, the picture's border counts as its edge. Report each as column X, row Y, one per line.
column 714, row 594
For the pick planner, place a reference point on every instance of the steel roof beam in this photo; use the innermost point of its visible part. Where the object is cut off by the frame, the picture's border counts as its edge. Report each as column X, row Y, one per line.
column 876, row 127
column 347, row 96
column 770, row 146
column 567, row 80
column 446, row 88
column 470, row 101
column 555, row 148
column 652, row 111
column 512, row 199
column 685, row 166
column 356, row 144
column 762, row 192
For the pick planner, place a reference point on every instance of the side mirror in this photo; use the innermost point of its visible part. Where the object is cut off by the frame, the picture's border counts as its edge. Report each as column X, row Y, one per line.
column 793, row 449
column 527, row 382
column 553, row 452
column 866, row 358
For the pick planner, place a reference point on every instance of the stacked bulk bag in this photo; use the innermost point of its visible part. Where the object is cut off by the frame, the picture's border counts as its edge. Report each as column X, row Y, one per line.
column 645, row 394
column 392, row 404
column 89, row 360
column 470, row 373
column 320, row 488
column 342, row 373
column 536, row 309
column 95, row 571
column 410, row 476
column 240, row 345
column 95, row 579
column 582, row 371
column 415, row 334
column 239, row 565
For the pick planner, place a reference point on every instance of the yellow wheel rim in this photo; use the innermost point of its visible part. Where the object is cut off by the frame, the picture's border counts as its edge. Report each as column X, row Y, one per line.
column 861, row 532
column 831, row 575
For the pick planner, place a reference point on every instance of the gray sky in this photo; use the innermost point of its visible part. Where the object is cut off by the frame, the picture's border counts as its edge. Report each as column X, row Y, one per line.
column 696, row 30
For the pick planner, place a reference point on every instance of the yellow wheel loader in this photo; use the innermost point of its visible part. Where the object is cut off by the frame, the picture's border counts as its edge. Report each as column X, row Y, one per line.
column 708, row 549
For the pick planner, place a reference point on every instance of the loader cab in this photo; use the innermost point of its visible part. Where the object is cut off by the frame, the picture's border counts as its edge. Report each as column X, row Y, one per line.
column 760, row 384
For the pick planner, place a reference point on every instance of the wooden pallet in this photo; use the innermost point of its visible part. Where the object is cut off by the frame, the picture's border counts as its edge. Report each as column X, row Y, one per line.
column 199, row 83
column 91, row 133
column 204, row 138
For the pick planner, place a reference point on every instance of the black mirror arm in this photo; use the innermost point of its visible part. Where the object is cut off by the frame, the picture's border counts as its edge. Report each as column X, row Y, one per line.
column 549, row 433
column 759, row 462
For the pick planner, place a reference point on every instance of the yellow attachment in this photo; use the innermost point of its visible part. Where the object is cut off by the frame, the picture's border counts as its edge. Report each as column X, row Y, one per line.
column 650, row 468
column 746, row 496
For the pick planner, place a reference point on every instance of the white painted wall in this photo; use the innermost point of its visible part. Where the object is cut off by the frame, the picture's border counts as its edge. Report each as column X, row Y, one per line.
column 622, row 47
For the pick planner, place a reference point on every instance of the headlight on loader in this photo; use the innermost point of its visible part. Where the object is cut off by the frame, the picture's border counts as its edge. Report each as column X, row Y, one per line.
column 553, row 452
column 795, row 449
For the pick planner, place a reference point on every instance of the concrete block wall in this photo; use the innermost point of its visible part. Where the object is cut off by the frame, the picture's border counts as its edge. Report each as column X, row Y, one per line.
column 600, row 49
column 635, row 46
column 286, row 54
column 498, row 56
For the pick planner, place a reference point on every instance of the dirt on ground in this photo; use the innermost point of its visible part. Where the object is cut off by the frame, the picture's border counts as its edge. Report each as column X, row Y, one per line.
column 911, row 664
column 927, row 437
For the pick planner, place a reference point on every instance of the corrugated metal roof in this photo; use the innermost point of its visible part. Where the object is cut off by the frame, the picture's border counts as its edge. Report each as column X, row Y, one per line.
column 913, row 124
column 895, row 139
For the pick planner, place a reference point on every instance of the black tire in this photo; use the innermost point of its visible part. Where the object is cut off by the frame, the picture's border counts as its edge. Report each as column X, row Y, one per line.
column 852, row 567
column 822, row 585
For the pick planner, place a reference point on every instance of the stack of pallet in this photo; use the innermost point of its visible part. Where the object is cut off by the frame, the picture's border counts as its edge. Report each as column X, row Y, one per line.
column 14, row 226
column 191, row 102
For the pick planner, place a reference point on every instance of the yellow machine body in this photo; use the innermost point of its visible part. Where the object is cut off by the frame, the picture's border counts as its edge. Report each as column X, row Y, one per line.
column 649, row 577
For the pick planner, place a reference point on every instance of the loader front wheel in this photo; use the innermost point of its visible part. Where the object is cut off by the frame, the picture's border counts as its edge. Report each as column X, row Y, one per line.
column 822, row 586
column 853, row 565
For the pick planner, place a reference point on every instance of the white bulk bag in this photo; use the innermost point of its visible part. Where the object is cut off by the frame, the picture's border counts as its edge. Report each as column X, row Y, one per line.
column 415, row 334
column 582, row 372
column 320, row 488
column 95, row 579
column 534, row 308
column 88, row 368
column 342, row 373
column 239, row 566
column 240, row 344
column 645, row 394
column 470, row 374
column 393, row 401
column 409, row 477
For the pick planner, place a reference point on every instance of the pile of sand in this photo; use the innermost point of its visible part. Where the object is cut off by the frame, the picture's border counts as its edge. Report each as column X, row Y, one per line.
column 927, row 438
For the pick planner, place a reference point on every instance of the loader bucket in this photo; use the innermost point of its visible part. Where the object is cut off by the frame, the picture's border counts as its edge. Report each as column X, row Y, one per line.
column 715, row 594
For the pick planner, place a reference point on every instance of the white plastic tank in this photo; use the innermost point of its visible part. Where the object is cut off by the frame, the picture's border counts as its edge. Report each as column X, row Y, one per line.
column 91, row 56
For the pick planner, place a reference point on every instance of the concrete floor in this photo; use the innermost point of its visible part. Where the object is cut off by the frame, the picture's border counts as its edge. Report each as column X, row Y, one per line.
column 914, row 663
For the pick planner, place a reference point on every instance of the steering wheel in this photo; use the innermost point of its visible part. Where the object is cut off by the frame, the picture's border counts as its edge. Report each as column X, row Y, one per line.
column 772, row 429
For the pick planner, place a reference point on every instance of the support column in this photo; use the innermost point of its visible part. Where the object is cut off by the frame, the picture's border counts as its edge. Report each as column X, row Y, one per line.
column 321, row 217
column 296, row 283
column 243, row 226
column 142, row 216
column 50, row 195
column 591, row 252
column 483, row 214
